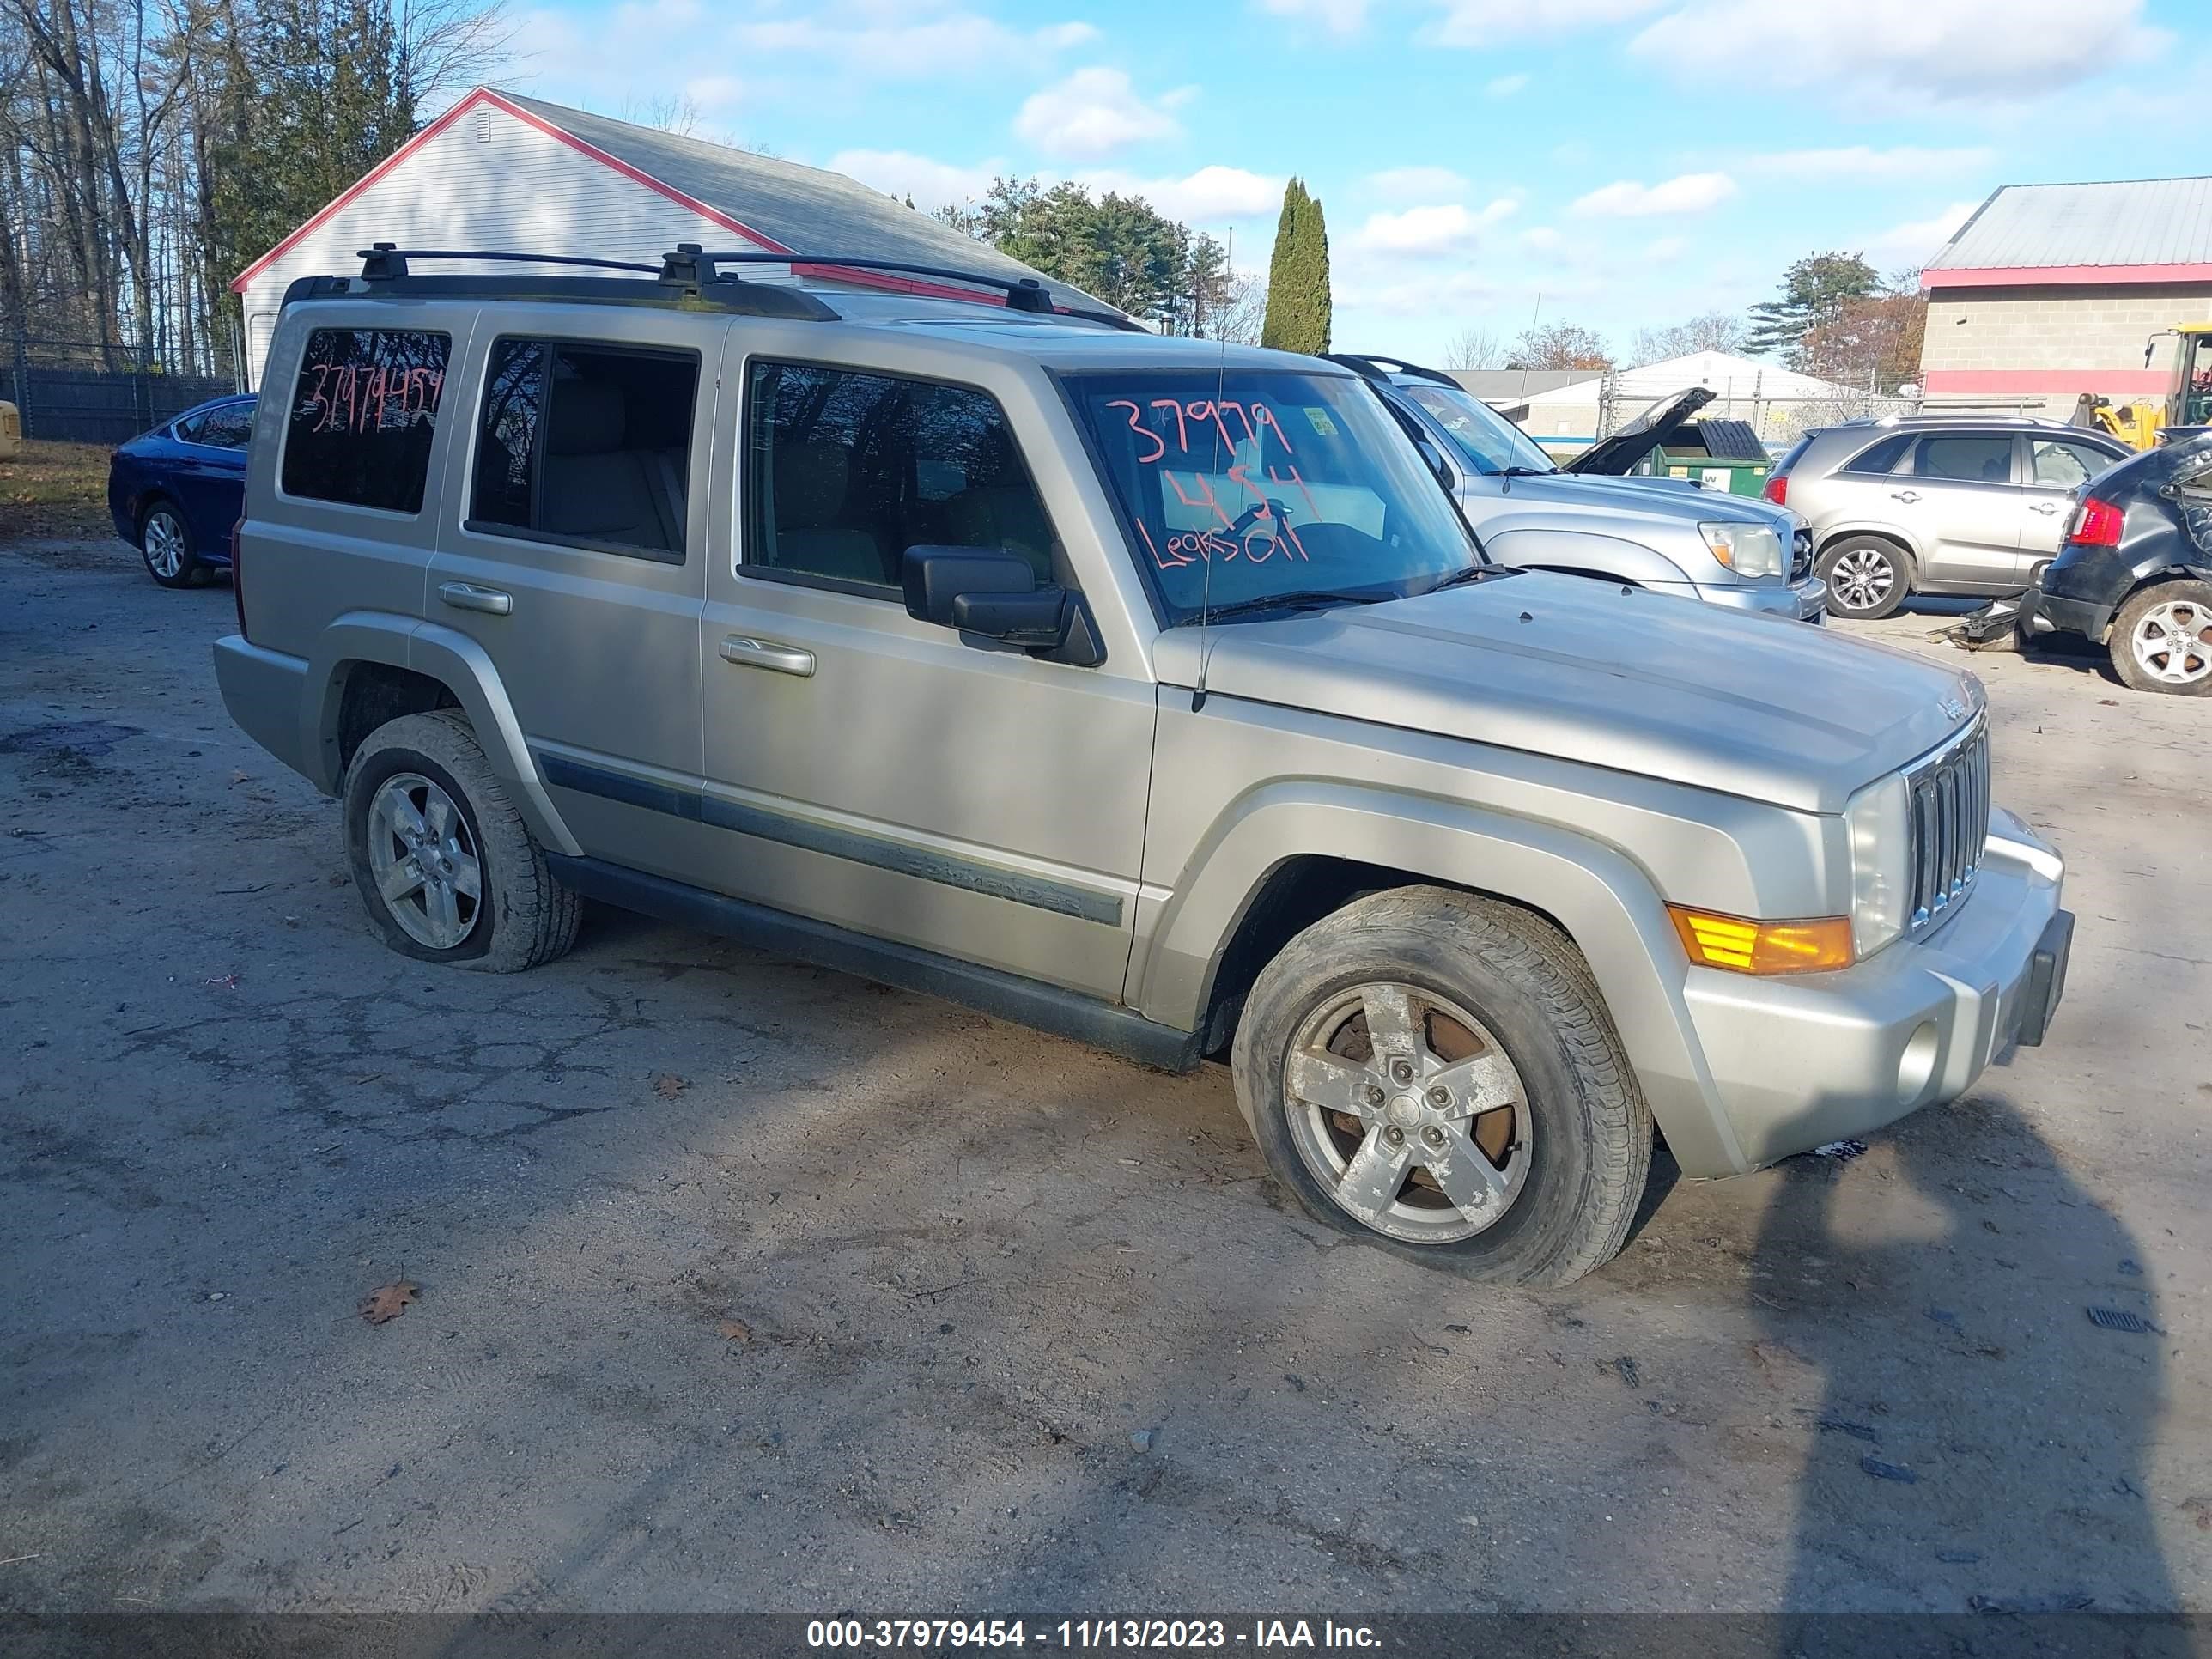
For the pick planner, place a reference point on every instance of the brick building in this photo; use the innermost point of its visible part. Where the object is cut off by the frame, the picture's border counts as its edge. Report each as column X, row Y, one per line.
column 2052, row 290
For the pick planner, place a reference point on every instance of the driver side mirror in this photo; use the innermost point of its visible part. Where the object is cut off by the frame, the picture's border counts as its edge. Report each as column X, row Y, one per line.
column 987, row 593
column 1438, row 464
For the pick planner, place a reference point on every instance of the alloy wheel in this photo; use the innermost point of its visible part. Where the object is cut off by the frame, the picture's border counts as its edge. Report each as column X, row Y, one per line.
column 1862, row 577
column 165, row 543
column 2173, row 642
column 1408, row 1112
column 424, row 860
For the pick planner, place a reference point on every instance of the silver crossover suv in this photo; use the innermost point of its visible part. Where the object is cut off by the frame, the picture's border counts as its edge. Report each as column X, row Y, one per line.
column 1931, row 504
column 1586, row 519
column 1144, row 690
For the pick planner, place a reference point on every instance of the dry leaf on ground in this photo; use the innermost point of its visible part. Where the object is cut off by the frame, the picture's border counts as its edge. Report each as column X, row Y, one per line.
column 388, row 1301
column 737, row 1330
column 668, row 1085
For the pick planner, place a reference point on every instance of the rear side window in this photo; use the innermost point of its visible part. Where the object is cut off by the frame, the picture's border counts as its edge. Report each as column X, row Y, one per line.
column 2055, row 464
column 1971, row 457
column 845, row 471
column 588, row 446
column 1881, row 458
column 227, row 427
column 364, row 411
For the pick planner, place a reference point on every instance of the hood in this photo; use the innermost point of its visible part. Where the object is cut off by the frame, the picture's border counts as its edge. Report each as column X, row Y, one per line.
column 1675, row 501
column 1760, row 708
column 1630, row 444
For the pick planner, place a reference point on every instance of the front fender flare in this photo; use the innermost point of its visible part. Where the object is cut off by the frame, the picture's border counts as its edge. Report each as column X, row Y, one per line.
column 1578, row 552
column 1596, row 893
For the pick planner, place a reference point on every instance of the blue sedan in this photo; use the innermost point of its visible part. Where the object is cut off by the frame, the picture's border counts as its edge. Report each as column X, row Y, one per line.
column 176, row 491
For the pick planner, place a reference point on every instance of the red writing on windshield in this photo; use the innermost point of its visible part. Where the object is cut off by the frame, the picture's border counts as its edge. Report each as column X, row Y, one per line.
column 1261, row 527
column 351, row 399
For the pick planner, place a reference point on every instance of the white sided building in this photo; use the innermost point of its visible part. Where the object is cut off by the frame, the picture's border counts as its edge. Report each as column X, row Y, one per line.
column 1777, row 403
column 503, row 174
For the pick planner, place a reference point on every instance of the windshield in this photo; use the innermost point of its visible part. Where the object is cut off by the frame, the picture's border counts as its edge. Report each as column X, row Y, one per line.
column 1485, row 440
column 1276, row 483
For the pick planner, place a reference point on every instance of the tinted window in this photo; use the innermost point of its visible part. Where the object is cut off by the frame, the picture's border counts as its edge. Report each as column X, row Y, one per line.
column 1241, row 484
column 845, row 471
column 1485, row 440
column 227, row 427
column 364, row 413
column 588, row 445
column 1976, row 457
column 2057, row 465
column 1881, row 458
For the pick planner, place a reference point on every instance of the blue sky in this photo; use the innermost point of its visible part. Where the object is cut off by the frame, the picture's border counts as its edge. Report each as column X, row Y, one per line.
column 1622, row 163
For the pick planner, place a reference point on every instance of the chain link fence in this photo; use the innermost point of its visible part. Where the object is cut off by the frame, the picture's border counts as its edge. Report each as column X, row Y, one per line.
column 96, row 392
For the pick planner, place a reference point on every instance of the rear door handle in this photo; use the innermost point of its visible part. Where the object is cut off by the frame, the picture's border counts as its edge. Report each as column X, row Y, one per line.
column 2044, row 507
column 467, row 596
column 748, row 652
column 1908, row 496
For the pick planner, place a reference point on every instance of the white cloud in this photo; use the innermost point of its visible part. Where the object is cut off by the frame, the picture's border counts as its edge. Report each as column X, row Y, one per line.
column 1630, row 199
column 1540, row 239
column 1484, row 23
column 1914, row 243
column 1504, row 85
column 1337, row 16
column 1207, row 197
column 1861, row 164
column 931, row 183
column 1417, row 185
column 715, row 94
column 1092, row 114
column 1902, row 53
column 1433, row 229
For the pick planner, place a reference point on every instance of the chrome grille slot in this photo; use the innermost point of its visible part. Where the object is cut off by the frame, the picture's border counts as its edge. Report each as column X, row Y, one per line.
column 1950, row 791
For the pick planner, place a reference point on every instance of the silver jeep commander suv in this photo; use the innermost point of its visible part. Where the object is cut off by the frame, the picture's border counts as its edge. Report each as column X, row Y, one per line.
column 1144, row 690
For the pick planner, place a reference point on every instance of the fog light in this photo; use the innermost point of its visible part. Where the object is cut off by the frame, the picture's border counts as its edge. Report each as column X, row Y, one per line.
column 1917, row 1064
column 1747, row 946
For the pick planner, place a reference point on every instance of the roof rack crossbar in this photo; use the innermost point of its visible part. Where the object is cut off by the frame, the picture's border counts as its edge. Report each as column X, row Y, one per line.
column 1375, row 367
column 384, row 263
column 1023, row 293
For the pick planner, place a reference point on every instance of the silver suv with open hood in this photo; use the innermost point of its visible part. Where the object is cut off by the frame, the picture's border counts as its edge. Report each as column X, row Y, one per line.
column 1144, row 690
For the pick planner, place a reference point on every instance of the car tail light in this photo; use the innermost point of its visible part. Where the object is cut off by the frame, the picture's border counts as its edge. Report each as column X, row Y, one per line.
column 2096, row 524
column 238, row 577
column 1778, row 488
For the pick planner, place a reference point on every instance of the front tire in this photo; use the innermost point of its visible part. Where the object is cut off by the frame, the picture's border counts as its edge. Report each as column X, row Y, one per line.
column 1868, row 578
column 1436, row 1073
column 2161, row 640
column 164, row 542
column 442, row 859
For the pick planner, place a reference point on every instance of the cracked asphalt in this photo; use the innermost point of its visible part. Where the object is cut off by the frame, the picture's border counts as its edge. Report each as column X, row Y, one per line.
column 749, row 1286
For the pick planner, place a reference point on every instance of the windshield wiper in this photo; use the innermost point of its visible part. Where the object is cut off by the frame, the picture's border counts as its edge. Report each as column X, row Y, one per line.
column 1473, row 572
column 1289, row 604
column 1526, row 471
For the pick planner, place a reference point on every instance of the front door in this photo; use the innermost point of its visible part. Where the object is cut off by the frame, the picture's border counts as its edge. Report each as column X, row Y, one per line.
column 871, row 771
column 1962, row 504
column 210, row 475
column 571, row 554
column 2052, row 469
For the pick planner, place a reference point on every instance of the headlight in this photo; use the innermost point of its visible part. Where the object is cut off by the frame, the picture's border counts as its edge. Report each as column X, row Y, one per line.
column 1881, row 863
column 1750, row 550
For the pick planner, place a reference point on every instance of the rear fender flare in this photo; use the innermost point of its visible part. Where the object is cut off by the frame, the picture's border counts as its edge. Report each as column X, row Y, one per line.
column 1604, row 903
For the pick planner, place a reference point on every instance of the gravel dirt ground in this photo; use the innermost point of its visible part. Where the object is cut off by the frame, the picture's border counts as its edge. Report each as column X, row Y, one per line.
column 748, row 1286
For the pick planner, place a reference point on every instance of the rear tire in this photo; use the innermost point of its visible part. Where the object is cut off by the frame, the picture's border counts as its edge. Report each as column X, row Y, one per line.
column 426, row 821
column 164, row 542
column 1868, row 578
column 1436, row 1074
column 2161, row 640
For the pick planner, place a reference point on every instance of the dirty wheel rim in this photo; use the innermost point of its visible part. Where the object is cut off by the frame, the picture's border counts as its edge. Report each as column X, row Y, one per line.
column 1862, row 577
column 2173, row 643
column 165, row 544
column 424, row 860
column 1407, row 1111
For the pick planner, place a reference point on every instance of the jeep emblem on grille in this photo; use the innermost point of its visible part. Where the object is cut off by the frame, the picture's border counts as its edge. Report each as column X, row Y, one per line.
column 1951, row 711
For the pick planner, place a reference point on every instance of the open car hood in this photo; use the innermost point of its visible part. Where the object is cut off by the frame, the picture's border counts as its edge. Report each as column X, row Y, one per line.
column 1616, row 453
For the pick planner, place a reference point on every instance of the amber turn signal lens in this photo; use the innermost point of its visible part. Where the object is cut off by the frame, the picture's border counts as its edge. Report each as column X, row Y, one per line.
column 1763, row 947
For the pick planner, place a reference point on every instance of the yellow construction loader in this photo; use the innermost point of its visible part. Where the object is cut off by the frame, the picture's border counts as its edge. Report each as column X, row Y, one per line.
column 2188, row 405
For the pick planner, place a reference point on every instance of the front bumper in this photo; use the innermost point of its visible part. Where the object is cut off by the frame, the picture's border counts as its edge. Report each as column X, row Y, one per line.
column 1798, row 1062
column 1806, row 599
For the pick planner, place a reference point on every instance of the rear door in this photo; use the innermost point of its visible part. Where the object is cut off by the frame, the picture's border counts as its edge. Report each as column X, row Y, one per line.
column 570, row 553
column 1960, row 495
column 2051, row 469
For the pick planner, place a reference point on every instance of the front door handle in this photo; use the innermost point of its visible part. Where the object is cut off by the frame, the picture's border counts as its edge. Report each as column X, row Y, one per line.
column 766, row 653
column 467, row 596
column 1908, row 496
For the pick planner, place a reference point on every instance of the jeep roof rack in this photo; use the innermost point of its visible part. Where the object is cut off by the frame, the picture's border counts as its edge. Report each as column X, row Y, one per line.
column 687, row 273
column 1376, row 368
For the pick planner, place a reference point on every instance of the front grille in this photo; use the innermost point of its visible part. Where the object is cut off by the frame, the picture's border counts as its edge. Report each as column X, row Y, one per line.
column 1801, row 554
column 1950, row 820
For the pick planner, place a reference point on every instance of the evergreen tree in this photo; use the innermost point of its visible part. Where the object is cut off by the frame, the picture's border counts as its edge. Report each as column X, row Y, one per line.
column 1299, row 303
column 1814, row 293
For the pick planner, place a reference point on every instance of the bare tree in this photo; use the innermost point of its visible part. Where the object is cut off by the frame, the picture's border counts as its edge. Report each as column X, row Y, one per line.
column 1716, row 331
column 1475, row 348
column 1559, row 345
